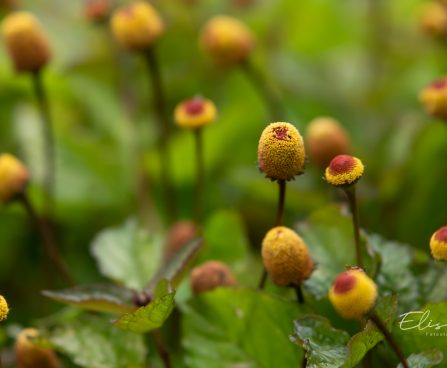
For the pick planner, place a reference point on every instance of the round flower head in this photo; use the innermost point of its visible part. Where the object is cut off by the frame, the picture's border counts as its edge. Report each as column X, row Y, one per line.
column 97, row 10
column 179, row 234
column 438, row 244
column 434, row 98
column 227, row 40
column 325, row 139
column 13, row 177
column 30, row 355
column 195, row 113
column 344, row 170
column 286, row 257
column 27, row 45
column 137, row 26
column 433, row 18
column 353, row 294
column 281, row 153
column 210, row 275
column 4, row 309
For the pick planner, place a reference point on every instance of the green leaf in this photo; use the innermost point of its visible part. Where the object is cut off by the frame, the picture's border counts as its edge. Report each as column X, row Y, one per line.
column 231, row 327
column 98, row 297
column 325, row 346
column 365, row 340
column 225, row 238
column 175, row 269
column 91, row 342
column 152, row 315
column 127, row 254
column 425, row 359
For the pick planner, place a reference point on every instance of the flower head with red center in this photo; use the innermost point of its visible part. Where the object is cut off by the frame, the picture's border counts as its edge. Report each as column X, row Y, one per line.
column 438, row 244
column 434, row 98
column 137, row 26
column 195, row 113
column 281, row 152
column 97, row 10
column 227, row 40
column 27, row 44
column 286, row 257
column 13, row 177
column 353, row 294
column 344, row 170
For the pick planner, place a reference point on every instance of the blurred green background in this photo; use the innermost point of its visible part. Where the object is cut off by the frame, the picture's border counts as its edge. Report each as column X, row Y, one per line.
column 362, row 62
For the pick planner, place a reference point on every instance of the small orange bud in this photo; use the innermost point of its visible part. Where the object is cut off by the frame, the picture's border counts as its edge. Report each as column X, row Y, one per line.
column 281, row 153
column 210, row 275
column 97, row 10
column 433, row 19
column 286, row 257
column 227, row 40
column 27, row 44
column 4, row 308
column 434, row 98
column 179, row 234
column 344, row 170
column 325, row 139
column 137, row 26
column 13, row 177
column 353, row 294
column 31, row 356
column 195, row 113
column 438, row 244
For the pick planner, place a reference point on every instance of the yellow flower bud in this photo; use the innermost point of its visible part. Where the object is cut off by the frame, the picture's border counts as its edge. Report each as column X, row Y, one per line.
column 438, row 244
column 281, row 153
column 353, row 294
column 325, row 139
column 210, row 275
column 13, row 177
column 97, row 10
column 137, row 26
column 434, row 98
column 4, row 309
column 227, row 40
column 433, row 18
column 286, row 257
column 27, row 44
column 195, row 113
column 31, row 356
column 179, row 234
column 344, row 170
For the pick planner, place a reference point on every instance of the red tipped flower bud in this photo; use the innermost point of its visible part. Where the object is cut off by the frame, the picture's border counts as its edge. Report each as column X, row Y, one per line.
column 434, row 98
column 438, row 244
column 353, row 294
column 344, row 170
column 195, row 113
column 97, row 10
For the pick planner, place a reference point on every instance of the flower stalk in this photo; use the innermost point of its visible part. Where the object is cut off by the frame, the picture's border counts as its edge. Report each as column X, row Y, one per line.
column 200, row 170
column 352, row 199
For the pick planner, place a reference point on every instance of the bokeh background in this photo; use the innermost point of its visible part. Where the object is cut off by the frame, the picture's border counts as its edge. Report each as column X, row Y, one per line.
column 361, row 62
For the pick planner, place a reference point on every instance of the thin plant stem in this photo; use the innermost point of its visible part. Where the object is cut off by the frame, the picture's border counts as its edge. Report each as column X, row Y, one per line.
column 299, row 294
column 352, row 199
column 278, row 222
column 389, row 338
column 261, row 85
column 46, row 235
column 48, row 135
column 161, row 349
column 200, row 170
column 159, row 101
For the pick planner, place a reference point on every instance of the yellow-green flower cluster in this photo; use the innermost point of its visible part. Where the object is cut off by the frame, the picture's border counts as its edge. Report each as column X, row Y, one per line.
column 4, row 308
column 13, row 177
column 281, row 152
column 344, row 170
column 286, row 257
